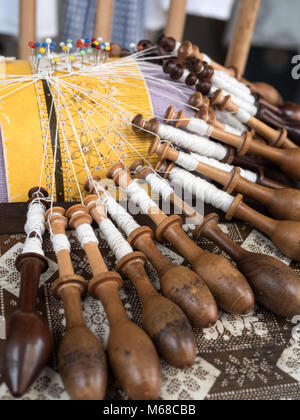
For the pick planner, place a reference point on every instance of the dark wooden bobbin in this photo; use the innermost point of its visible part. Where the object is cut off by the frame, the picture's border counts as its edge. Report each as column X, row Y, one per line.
column 232, row 293
column 81, row 359
column 28, row 343
column 276, row 286
column 132, row 356
column 163, row 320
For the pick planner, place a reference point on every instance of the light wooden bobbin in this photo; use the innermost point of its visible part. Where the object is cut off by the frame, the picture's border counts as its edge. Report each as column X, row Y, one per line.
column 288, row 160
column 81, row 359
column 276, row 138
column 151, row 128
column 283, row 204
column 28, row 343
column 131, row 353
column 276, row 286
column 163, row 320
column 228, row 286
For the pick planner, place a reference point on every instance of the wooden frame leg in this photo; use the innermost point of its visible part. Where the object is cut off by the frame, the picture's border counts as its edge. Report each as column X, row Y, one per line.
column 27, row 26
column 104, row 17
column 241, row 41
column 176, row 19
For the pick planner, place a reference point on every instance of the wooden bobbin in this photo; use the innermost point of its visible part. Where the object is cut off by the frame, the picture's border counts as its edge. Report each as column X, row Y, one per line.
column 132, row 356
column 276, row 138
column 232, row 293
column 81, row 359
column 163, row 320
column 151, row 127
column 276, row 286
column 283, row 204
column 28, row 343
column 288, row 160
column 284, row 234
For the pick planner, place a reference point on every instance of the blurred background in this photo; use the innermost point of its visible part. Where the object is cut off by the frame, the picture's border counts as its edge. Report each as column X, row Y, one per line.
column 209, row 25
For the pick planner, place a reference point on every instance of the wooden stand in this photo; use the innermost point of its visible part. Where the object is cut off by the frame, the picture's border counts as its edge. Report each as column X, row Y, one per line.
column 176, row 19
column 283, row 204
column 28, row 345
column 238, row 53
column 27, row 30
column 81, row 359
column 132, row 355
column 228, row 286
column 103, row 22
column 163, row 320
column 276, row 286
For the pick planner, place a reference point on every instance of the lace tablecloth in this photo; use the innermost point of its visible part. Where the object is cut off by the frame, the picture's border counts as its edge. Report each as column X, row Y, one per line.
column 250, row 357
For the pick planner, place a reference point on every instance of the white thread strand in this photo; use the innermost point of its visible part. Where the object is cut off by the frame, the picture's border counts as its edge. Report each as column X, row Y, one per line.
column 115, row 239
column 192, row 142
column 199, row 127
column 140, row 197
column 184, row 76
column 187, row 162
column 33, row 245
column 206, row 58
column 243, row 115
column 60, row 243
column 195, row 124
column 120, row 216
column 230, row 120
column 202, row 189
column 35, row 224
column 159, row 186
column 235, row 99
column 250, row 176
column 86, row 234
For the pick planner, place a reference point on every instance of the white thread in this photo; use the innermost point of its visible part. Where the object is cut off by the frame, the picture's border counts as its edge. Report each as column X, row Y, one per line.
column 60, row 243
column 177, row 46
column 86, row 234
column 232, row 85
column 230, row 120
column 159, row 186
column 243, row 115
column 225, row 76
column 140, row 197
column 187, row 162
column 192, row 142
column 206, row 58
column 120, row 216
column 199, row 127
column 251, row 176
column 115, row 239
column 33, row 245
column 242, row 104
column 195, row 124
column 35, row 219
column 184, row 76
column 35, row 224
column 205, row 191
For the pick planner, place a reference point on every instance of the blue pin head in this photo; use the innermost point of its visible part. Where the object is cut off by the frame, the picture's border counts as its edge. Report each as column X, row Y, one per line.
column 37, row 44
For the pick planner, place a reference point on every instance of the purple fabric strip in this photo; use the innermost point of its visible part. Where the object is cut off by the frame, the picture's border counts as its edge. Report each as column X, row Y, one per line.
column 3, row 187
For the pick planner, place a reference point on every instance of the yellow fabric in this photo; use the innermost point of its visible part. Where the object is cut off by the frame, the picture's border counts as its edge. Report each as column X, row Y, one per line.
column 24, row 121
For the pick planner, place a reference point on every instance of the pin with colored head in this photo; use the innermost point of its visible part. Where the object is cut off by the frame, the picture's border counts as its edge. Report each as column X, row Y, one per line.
column 82, row 54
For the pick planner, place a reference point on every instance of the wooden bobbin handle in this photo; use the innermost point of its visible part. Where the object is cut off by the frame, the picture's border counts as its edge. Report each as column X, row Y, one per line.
column 28, row 343
column 280, row 294
column 164, row 321
column 81, row 358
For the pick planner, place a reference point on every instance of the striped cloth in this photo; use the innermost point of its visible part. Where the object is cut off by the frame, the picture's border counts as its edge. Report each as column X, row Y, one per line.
column 128, row 24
